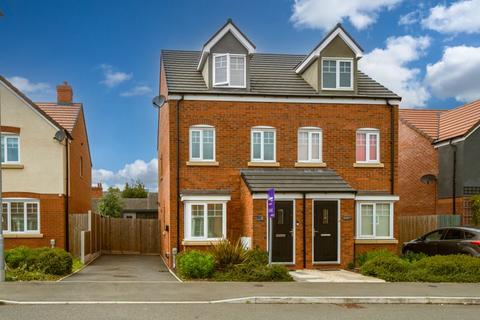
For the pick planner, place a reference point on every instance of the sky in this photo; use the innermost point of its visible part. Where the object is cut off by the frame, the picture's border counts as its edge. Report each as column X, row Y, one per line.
column 428, row 52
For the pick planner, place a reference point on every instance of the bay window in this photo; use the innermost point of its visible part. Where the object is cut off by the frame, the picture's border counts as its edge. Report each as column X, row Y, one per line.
column 375, row 220
column 337, row 74
column 229, row 70
column 205, row 220
column 21, row 216
column 309, row 145
column 10, row 148
column 202, row 143
column 367, row 146
column 263, row 144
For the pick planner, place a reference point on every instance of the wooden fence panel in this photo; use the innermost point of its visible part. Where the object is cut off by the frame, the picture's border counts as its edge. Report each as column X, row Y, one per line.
column 77, row 223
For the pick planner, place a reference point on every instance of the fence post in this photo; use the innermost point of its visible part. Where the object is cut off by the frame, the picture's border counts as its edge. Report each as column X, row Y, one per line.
column 82, row 246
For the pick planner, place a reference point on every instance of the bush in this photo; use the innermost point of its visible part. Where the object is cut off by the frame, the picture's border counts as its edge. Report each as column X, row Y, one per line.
column 411, row 256
column 257, row 257
column 369, row 255
column 475, row 200
column 111, row 203
column 387, row 267
column 227, row 254
column 17, row 257
column 39, row 261
column 453, row 268
column 195, row 264
column 55, row 262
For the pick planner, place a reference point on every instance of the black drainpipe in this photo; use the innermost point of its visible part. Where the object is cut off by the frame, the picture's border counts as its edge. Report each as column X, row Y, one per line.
column 454, row 178
column 304, row 233
column 67, row 196
column 392, row 148
column 178, row 171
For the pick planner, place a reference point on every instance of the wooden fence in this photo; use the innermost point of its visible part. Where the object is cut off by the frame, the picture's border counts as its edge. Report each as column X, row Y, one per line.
column 85, row 235
column 412, row 227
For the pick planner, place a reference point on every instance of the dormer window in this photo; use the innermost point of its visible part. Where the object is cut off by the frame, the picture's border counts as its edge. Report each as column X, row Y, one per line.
column 229, row 70
column 337, row 74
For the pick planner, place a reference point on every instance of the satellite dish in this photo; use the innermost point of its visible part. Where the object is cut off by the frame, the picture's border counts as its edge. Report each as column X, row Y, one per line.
column 59, row 135
column 159, row 101
column 428, row 179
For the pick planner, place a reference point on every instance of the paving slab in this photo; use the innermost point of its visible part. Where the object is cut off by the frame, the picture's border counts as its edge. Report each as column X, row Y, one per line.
column 334, row 276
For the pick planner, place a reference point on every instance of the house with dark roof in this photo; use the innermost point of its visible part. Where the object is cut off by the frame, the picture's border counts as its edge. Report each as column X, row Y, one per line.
column 46, row 166
column 438, row 160
column 237, row 123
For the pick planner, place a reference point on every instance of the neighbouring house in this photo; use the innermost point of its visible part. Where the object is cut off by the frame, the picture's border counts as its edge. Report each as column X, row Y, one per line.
column 312, row 126
column 439, row 152
column 46, row 166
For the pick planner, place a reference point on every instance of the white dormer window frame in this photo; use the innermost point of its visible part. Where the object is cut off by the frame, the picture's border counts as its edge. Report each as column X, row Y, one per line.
column 227, row 83
column 338, row 62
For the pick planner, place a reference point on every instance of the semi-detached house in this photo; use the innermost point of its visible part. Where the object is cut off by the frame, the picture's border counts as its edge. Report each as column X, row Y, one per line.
column 313, row 127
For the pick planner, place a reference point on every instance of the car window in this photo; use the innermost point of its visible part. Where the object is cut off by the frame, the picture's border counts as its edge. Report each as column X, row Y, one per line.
column 469, row 235
column 435, row 235
column 454, row 234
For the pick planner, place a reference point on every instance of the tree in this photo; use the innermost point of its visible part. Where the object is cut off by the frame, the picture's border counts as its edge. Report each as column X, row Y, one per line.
column 111, row 204
column 136, row 190
column 475, row 209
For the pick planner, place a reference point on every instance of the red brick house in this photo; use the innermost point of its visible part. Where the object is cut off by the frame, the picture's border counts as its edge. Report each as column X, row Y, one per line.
column 438, row 160
column 46, row 166
column 313, row 127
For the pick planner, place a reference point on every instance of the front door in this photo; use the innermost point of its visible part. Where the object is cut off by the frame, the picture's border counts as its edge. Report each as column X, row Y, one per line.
column 325, row 231
column 282, row 232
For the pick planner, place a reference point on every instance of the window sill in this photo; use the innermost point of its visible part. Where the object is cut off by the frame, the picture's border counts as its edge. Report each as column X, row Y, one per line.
column 376, row 241
column 202, row 163
column 22, row 235
column 368, row 165
column 263, row 164
column 200, row 242
column 310, row 164
column 12, row 166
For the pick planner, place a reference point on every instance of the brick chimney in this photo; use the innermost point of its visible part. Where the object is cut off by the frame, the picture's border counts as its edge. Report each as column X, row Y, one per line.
column 64, row 93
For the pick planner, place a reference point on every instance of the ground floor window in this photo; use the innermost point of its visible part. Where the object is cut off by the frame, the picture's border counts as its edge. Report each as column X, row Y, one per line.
column 375, row 220
column 21, row 216
column 205, row 220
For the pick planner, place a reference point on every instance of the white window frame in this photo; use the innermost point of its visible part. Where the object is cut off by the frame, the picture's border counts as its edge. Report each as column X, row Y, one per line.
column 368, row 132
column 8, row 201
column 201, row 129
column 374, row 219
column 262, row 131
column 4, row 137
column 337, row 71
column 227, row 83
column 310, row 131
column 188, row 220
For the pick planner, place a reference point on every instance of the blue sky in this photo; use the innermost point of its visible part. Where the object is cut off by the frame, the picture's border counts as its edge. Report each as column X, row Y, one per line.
column 109, row 52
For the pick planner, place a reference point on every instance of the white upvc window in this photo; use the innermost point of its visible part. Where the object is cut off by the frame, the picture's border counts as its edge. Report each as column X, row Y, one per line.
column 367, row 148
column 205, row 220
column 310, row 144
column 21, row 216
column 337, row 74
column 229, row 70
column 263, row 144
column 202, row 143
column 375, row 220
column 10, row 149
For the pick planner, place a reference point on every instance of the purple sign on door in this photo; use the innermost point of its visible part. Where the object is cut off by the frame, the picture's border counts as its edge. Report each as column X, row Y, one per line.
column 271, row 203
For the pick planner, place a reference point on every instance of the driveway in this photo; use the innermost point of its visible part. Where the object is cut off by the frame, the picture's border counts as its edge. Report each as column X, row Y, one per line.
column 124, row 268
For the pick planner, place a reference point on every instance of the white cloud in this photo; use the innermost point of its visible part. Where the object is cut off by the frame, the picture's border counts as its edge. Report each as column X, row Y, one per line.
column 461, row 16
column 137, row 91
column 28, row 87
column 113, row 78
column 147, row 172
column 324, row 14
column 409, row 19
column 390, row 67
column 456, row 74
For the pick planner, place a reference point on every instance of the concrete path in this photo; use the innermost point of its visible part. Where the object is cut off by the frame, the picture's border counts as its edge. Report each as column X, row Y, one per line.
column 124, row 268
column 335, row 276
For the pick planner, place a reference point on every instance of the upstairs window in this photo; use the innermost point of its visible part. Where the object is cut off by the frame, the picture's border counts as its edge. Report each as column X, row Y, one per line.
column 263, row 144
column 10, row 148
column 202, row 143
column 229, row 70
column 368, row 146
column 337, row 74
column 309, row 145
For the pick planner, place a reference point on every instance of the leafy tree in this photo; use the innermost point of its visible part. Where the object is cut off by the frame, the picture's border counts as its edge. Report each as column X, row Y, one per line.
column 476, row 209
column 136, row 190
column 111, row 204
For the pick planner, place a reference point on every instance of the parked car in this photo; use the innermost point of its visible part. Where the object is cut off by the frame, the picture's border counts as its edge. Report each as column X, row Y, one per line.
column 444, row 241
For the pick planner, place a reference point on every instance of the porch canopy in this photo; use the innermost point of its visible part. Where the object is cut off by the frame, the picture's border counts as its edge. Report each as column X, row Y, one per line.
column 295, row 180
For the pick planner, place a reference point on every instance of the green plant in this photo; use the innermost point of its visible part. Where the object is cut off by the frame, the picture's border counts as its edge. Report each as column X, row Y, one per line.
column 136, row 190
column 452, row 268
column 228, row 254
column 111, row 204
column 195, row 264
column 411, row 256
column 475, row 209
column 387, row 267
column 369, row 255
column 55, row 262
column 17, row 257
column 257, row 257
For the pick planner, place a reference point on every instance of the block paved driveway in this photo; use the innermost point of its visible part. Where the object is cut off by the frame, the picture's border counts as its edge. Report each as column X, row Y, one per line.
column 124, row 268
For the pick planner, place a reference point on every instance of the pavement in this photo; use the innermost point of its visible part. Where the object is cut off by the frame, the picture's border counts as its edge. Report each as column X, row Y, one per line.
column 335, row 276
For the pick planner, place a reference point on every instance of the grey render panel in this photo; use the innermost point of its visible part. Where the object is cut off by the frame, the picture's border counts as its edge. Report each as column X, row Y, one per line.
column 445, row 169
column 472, row 160
column 294, row 180
column 270, row 75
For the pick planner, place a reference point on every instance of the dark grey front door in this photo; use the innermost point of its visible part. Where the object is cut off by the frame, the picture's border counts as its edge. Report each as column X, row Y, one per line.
column 282, row 232
column 325, row 231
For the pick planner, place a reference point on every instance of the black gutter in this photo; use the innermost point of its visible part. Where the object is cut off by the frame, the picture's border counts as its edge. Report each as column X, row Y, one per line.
column 178, row 170
column 304, row 232
column 392, row 148
column 454, row 178
column 67, row 197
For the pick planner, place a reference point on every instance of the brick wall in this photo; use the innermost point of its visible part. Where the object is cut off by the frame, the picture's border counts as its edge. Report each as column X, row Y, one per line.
column 52, row 221
column 417, row 157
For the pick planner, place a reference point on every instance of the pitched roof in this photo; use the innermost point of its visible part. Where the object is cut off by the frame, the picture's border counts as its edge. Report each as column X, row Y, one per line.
column 295, row 180
column 424, row 121
column 270, row 74
column 65, row 115
column 459, row 121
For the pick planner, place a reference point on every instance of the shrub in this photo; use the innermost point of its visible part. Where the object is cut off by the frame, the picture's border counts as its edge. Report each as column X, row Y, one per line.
column 369, row 255
column 257, row 257
column 228, row 254
column 55, row 262
column 452, row 268
column 39, row 260
column 17, row 257
column 411, row 256
column 475, row 209
column 387, row 267
column 195, row 264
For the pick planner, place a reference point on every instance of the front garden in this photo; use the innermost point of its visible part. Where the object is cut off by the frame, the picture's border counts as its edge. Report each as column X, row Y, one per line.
column 227, row 261
column 419, row 267
column 44, row 264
